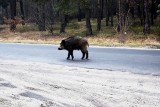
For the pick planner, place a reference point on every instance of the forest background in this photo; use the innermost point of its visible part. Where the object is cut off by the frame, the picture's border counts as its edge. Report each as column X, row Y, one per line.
column 103, row 22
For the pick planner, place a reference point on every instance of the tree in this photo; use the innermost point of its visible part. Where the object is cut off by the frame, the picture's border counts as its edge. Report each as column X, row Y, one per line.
column 146, row 17
column 4, row 3
column 153, row 11
column 109, row 11
column 86, row 4
column 65, row 8
column 47, row 12
column 3, row 7
column 22, row 10
column 40, row 13
column 79, row 14
column 99, row 14
column 13, row 14
column 123, row 19
column 50, row 15
column 140, row 11
column 42, row 18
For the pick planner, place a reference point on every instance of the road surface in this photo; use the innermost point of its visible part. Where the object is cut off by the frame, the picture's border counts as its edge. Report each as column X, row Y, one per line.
column 143, row 61
column 40, row 76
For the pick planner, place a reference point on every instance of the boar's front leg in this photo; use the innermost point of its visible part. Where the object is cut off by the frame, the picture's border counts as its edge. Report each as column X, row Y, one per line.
column 70, row 52
column 68, row 55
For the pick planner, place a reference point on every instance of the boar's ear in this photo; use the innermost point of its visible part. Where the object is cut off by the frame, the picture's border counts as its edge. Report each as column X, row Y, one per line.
column 63, row 42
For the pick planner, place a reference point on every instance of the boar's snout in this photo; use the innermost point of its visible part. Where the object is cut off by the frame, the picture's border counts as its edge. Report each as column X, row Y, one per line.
column 59, row 48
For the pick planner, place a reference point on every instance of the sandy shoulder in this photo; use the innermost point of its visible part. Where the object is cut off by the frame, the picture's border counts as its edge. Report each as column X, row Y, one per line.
column 31, row 84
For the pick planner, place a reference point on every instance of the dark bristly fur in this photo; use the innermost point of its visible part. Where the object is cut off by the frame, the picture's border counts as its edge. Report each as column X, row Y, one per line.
column 75, row 43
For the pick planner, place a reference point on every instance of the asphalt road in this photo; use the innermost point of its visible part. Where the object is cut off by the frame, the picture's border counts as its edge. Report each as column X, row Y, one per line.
column 143, row 61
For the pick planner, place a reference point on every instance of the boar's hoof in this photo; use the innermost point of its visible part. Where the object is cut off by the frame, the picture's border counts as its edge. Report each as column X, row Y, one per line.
column 69, row 58
column 84, row 59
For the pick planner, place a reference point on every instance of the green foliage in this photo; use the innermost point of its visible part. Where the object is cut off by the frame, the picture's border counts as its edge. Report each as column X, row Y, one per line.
column 66, row 7
column 69, row 7
column 85, row 3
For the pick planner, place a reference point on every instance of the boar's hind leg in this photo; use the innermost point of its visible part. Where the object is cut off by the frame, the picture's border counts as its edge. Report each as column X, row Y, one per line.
column 86, row 54
column 83, row 55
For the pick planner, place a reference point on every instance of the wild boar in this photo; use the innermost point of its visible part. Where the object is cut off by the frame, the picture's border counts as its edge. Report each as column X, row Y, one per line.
column 75, row 43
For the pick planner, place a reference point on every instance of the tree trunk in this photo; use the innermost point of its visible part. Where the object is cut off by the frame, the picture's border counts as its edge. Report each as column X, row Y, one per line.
column 51, row 16
column 140, row 11
column 99, row 14
column 102, row 6
column 107, row 12
column 22, row 11
column 13, row 14
column 111, row 12
column 42, row 19
column 63, row 24
column 119, row 17
column 146, row 18
column 88, row 23
column 52, row 11
column 79, row 11
column 6, row 12
column 1, row 15
column 152, row 12
column 26, row 8
column 132, row 12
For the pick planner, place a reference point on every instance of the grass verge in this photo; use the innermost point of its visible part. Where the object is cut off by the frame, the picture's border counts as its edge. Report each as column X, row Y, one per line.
column 106, row 37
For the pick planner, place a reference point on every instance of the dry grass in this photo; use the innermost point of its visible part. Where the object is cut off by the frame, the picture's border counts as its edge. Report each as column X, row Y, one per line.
column 44, row 38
